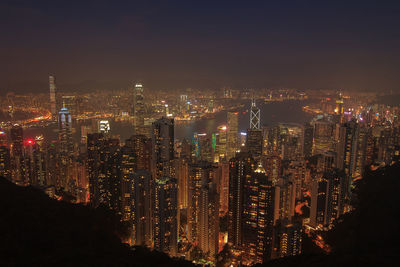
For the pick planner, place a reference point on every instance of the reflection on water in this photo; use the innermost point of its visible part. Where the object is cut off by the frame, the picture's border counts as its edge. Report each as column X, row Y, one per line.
column 271, row 113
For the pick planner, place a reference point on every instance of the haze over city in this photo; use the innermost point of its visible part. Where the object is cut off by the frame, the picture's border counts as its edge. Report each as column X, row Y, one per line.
column 194, row 44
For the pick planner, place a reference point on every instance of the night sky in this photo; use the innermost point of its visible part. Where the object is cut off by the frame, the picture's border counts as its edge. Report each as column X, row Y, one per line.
column 200, row 44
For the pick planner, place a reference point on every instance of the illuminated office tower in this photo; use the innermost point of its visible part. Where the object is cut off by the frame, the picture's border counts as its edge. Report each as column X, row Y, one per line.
column 103, row 167
column 327, row 197
column 65, row 132
column 242, row 141
column 196, row 146
column 205, row 145
column 385, row 145
column 165, row 211
column 109, row 181
column 142, row 147
column 240, row 169
column 308, row 136
column 138, row 109
column 255, row 118
column 232, row 134
column 360, row 153
column 128, row 168
column 274, row 144
column 273, row 167
column 66, row 149
column 290, row 239
column 258, row 216
column 285, row 199
column 53, row 103
column 135, row 197
column 336, row 194
column 326, row 161
column 208, row 226
column 17, row 155
column 370, row 148
column 223, row 173
column 5, row 163
column 202, row 145
column 254, row 143
column 142, row 208
column 182, row 176
column 339, row 107
column 35, row 162
column 163, row 148
column 200, row 174
column 297, row 173
column 220, row 144
column 347, row 150
column 104, row 126
column 30, row 149
column 186, row 149
column 324, row 132
column 51, row 164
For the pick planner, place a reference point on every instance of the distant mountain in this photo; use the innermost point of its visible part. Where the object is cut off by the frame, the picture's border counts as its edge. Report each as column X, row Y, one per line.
column 36, row 230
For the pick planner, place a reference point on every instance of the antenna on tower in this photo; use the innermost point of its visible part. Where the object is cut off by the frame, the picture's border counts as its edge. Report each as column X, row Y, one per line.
column 254, row 115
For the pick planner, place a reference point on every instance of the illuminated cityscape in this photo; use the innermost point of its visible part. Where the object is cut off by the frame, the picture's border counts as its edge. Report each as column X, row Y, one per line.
column 209, row 175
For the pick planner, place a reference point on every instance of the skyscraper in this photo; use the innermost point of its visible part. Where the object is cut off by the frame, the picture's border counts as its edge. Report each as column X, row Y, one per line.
column 66, row 147
column 203, row 147
column 142, row 207
column 232, row 134
column 163, row 147
column 208, row 225
column 65, row 132
column 324, row 132
column 142, row 147
column 138, row 109
column 5, row 170
column 258, row 216
column 220, row 152
column 308, row 132
column 200, row 174
column 17, row 154
column 182, row 176
column 254, row 143
column 165, row 213
column 255, row 118
column 347, row 150
column 290, row 239
column 53, row 103
column 240, row 169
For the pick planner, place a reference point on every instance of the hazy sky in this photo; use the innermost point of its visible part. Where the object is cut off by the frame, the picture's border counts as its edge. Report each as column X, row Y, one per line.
column 178, row 44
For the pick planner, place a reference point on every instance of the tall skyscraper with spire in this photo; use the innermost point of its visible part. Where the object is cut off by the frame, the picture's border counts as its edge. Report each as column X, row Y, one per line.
column 254, row 134
column 53, row 106
column 138, row 109
column 254, row 116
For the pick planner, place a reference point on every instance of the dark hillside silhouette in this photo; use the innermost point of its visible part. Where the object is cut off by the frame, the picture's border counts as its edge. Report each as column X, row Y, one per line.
column 37, row 230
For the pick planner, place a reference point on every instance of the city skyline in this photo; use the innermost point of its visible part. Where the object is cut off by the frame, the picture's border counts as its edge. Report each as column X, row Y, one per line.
column 183, row 133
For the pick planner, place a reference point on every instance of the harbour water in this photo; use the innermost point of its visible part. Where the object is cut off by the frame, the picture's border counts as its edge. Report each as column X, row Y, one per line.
column 271, row 113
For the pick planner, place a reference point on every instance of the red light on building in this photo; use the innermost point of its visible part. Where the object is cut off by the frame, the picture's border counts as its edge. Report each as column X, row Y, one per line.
column 30, row 142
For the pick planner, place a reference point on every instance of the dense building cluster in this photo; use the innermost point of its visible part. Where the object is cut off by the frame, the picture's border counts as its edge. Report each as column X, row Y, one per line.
column 256, row 193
